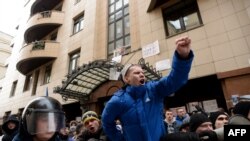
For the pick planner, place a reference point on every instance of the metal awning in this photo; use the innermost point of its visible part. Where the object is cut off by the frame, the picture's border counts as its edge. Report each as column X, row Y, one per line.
column 85, row 79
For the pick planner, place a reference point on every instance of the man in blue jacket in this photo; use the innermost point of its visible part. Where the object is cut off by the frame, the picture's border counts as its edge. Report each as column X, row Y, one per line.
column 139, row 105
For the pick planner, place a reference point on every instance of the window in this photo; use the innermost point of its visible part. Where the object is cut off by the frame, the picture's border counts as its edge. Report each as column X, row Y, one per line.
column 47, row 74
column 13, row 88
column 181, row 16
column 78, row 24
column 74, row 61
column 27, row 83
column 119, row 25
column 35, row 83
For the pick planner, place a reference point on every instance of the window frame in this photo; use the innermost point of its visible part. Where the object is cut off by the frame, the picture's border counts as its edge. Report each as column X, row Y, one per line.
column 35, row 83
column 175, row 9
column 78, row 23
column 74, row 59
column 47, row 74
column 122, row 12
column 13, row 88
column 28, row 82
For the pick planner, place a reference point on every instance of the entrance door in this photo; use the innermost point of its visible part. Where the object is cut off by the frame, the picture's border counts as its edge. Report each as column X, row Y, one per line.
column 102, row 102
column 198, row 90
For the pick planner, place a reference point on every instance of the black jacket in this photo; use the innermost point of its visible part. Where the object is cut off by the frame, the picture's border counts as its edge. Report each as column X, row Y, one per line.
column 10, row 133
column 98, row 136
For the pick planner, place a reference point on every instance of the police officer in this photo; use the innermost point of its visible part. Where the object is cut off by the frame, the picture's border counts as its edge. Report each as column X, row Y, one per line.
column 41, row 120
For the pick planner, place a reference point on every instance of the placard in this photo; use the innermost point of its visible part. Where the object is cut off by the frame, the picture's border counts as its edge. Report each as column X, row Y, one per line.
column 150, row 49
column 163, row 65
column 210, row 105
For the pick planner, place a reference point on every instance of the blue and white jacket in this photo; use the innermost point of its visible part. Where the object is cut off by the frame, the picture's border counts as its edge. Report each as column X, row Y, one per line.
column 140, row 108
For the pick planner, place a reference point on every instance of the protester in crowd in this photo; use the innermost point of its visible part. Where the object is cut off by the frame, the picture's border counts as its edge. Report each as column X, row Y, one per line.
column 72, row 126
column 242, row 108
column 1, row 133
column 41, row 120
column 181, row 116
column 184, row 127
column 241, row 116
column 119, row 125
column 170, row 123
column 93, row 128
column 64, row 134
column 72, row 129
column 200, row 122
column 191, row 136
column 218, row 119
column 79, row 130
column 200, row 130
column 10, row 128
column 139, row 104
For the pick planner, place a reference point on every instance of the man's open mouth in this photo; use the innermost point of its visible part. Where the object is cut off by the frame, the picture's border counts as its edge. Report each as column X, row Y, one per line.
column 142, row 82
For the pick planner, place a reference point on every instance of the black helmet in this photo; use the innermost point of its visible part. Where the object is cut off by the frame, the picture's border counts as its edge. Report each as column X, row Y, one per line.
column 44, row 110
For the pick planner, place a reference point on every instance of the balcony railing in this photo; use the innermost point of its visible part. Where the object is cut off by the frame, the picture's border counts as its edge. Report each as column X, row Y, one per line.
column 35, row 54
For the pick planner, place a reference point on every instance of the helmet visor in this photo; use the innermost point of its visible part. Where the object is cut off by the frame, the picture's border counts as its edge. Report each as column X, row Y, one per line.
column 44, row 121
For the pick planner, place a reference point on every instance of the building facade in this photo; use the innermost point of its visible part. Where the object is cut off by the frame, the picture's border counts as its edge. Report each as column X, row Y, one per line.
column 65, row 49
column 5, row 52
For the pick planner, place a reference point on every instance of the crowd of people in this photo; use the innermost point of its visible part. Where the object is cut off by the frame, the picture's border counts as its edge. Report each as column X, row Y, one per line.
column 134, row 113
column 209, row 126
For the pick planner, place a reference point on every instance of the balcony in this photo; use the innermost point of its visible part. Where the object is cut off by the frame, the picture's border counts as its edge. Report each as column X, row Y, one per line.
column 36, row 54
column 41, row 24
column 44, row 5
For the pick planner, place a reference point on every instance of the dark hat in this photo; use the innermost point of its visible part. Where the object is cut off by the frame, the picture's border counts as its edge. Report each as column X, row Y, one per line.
column 12, row 119
column 242, row 108
column 196, row 120
column 88, row 116
column 214, row 115
column 184, row 125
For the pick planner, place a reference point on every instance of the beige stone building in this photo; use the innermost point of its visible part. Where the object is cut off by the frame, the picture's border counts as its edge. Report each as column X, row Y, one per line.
column 66, row 47
column 5, row 52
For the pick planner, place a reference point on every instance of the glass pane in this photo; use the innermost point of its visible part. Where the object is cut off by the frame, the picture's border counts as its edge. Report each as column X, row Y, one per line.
column 73, row 65
column 111, row 18
column 111, row 1
column 126, row 11
column 173, row 27
column 119, row 28
column 75, row 55
column 76, row 27
column 111, row 48
column 81, row 24
column 111, row 8
column 119, row 43
column 118, row 4
column 125, row 2
column 127, row 40
column 126, row 25
column 111, row 32
column 191, row 21
column 118, row 14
